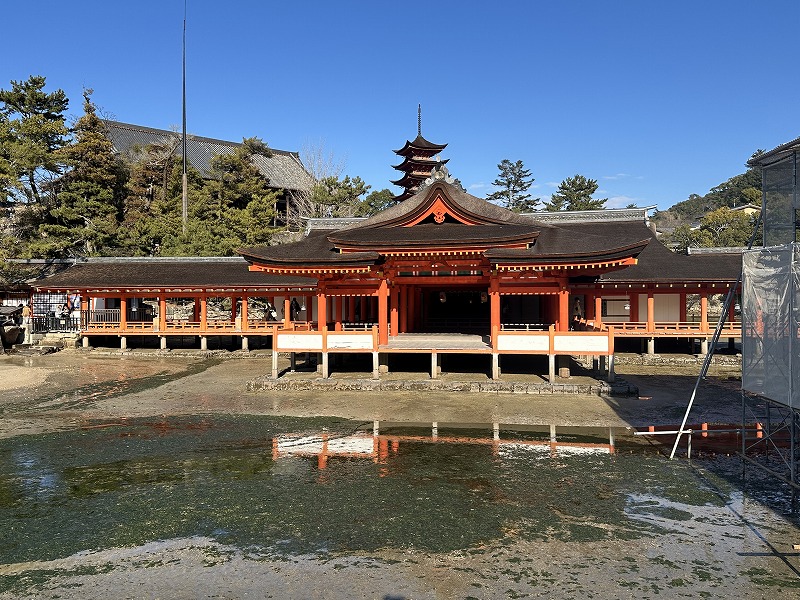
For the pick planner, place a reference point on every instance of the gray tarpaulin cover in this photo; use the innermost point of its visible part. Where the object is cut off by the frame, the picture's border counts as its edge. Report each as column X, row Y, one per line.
column 770, row 305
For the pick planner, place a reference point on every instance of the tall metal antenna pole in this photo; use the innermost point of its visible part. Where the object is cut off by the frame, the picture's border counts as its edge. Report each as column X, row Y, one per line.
column 184, row 179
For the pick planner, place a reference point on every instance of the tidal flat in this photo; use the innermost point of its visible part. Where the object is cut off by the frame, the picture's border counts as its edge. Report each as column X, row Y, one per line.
column 165, row 478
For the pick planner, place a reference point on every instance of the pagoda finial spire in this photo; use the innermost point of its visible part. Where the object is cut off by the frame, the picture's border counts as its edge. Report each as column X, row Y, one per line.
column 419, row 119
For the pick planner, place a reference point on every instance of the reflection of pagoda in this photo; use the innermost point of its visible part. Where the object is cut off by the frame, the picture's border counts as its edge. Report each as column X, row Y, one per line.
column 418, row 162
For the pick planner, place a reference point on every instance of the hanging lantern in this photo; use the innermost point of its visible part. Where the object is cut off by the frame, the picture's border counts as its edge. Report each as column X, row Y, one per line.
column 484, row 297
column 442, row 297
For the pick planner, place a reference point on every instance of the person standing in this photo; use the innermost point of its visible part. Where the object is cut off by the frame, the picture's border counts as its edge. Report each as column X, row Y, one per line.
column 577, row 314
column 26, row 322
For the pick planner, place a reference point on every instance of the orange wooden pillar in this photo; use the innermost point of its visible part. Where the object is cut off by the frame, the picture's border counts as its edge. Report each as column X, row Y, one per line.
column 245, row 317
column 563, row 310
column 162, row 313
column 651, row 311
column 85, row 303
column 394, row 312
column 287, row 312
column 322, row 309
column 383, row 313
column 494, row 311
column 123, row 313
column 203, row 313
column 233, row 308
column 598, row 310
column 704, row 310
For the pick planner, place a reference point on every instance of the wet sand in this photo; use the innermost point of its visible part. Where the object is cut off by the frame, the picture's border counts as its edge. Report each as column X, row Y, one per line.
column 740, row 549
column 63, row 390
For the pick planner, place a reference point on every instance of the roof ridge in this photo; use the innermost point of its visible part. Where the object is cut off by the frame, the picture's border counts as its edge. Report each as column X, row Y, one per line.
column 192, row 136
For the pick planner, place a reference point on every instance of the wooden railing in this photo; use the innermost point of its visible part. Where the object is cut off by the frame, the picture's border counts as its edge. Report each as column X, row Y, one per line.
column 671, row 328
column 524, row 326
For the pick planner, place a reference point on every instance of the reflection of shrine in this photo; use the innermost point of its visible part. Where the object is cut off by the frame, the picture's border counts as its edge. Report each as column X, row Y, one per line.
column 380, row 447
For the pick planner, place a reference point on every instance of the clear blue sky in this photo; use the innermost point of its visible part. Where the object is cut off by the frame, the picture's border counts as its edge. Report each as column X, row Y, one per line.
column 655, row 100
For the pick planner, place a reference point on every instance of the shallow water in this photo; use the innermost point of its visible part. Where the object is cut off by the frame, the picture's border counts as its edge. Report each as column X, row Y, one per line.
column 251, row 483
column 129, row 483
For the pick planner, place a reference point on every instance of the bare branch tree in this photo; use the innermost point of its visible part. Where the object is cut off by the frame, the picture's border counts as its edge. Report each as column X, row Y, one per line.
column 322, row 164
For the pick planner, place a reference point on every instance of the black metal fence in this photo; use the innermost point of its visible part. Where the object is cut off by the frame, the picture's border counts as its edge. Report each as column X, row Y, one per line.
column 55, row 323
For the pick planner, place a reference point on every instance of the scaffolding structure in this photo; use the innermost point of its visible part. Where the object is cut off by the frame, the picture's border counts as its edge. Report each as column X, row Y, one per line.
column 770, row 281
column 771, row 359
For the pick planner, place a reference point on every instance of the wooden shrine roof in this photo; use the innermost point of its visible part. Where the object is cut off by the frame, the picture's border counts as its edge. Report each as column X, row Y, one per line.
column 435, row 234
column 512, row 239
column 658, row 264
column 161, row 273
column 314, row 250
column 420, row 143
column 283, row 169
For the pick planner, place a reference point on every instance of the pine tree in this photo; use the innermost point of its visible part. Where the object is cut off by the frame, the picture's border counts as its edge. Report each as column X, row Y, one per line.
column 236, row 206
column 150, row 212
column 575, row 193
column 514, row 180
column 84, row 218
column 33, row 129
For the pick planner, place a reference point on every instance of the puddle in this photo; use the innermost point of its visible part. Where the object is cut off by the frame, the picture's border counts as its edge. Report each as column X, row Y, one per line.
column 330, row 487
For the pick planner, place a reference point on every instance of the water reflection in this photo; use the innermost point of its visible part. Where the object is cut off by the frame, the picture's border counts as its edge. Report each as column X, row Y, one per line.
column 316, row 486
column 380, row 447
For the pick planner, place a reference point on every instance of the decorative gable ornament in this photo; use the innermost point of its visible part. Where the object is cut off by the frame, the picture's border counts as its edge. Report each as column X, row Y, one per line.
column 440, row 173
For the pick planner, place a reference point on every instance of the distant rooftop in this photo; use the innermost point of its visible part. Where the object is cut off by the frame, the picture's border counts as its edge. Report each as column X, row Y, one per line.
column 776, row 154
column 283, row 169
column 597, row 216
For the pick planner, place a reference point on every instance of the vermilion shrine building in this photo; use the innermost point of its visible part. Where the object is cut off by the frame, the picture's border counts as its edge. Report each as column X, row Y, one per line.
column 439, row 272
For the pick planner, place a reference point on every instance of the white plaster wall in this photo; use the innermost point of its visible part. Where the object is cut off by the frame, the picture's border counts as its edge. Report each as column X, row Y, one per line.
column 667, row 307
column 527, row 342
column 350, row 340
column 580, row 344
column 298, row 341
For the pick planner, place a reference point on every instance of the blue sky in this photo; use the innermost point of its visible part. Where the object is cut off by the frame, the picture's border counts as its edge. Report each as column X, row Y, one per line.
column 655, row 100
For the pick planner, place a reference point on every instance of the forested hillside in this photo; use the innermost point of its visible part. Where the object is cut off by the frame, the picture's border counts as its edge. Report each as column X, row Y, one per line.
column 707, row 220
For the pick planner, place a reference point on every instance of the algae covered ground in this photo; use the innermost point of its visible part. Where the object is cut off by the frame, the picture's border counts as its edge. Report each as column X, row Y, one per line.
column 115, row 487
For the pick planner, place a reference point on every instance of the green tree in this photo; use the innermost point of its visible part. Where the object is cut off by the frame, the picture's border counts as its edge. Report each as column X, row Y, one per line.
column 685, row 236
column 719, row 228
column 149, row 212
column 334, row 197
column 726, row 227
column 84, row 217
column 513, row 180
column 575, row 193
column 375, row 202
column 244, row 202
column 32, row 129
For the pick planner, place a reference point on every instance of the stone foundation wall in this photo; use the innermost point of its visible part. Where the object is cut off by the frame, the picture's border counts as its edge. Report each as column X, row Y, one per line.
column 618, row 388
column 676, row 359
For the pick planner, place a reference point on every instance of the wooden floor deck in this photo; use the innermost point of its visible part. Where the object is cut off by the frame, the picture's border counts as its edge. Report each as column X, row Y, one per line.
column 440, row 342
